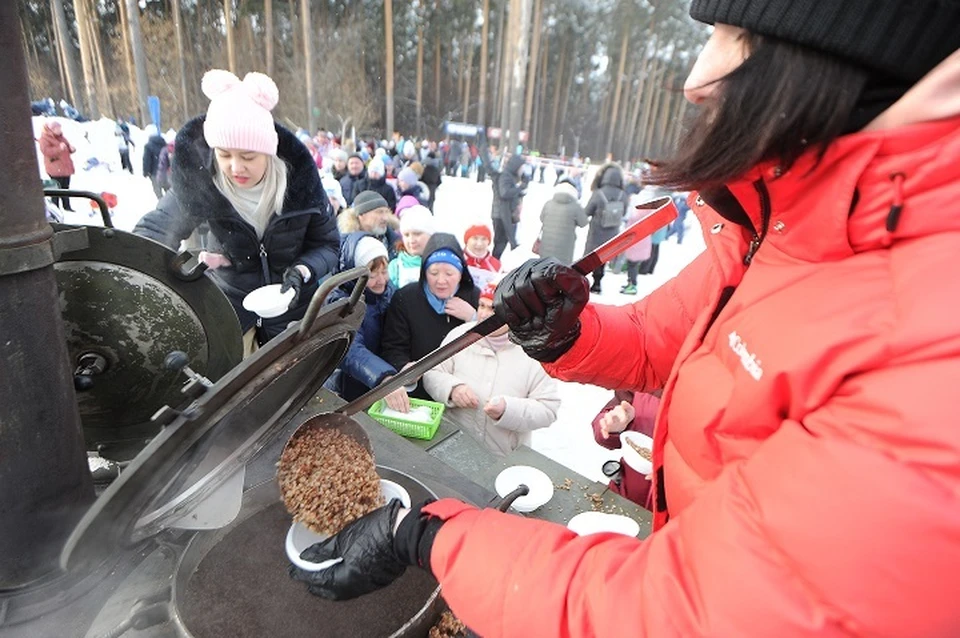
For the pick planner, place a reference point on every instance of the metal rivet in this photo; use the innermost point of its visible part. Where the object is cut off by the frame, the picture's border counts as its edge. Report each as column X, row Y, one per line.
column 777, row 171
column 699, row 201
column 779, row 227
column 716, row 228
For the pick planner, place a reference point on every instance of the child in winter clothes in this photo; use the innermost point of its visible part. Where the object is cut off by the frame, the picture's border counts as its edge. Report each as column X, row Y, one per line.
column 637, row 253
column 481, row 262
column 636, row 412
column 362, row 367
column 416, row 227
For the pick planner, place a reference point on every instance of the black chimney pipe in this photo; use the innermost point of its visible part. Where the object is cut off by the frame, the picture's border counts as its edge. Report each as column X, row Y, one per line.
column 45, row 483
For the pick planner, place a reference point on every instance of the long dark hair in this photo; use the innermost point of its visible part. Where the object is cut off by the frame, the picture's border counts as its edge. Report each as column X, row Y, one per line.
column 783, row 100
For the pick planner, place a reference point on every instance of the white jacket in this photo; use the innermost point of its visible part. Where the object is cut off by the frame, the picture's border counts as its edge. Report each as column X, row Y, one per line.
column 532, row 398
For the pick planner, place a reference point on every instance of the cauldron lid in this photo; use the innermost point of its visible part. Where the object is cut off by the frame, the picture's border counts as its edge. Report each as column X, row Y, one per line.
column 211, row 440
column 122, row 298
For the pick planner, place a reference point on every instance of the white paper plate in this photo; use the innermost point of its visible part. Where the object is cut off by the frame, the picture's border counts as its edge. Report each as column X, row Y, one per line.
column 299, row 537
column 631, row 456
column 268, row 302
column 597, row 522
column 541, row 487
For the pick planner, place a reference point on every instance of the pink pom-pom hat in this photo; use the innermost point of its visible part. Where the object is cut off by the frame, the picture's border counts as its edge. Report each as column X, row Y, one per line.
column 239, row 113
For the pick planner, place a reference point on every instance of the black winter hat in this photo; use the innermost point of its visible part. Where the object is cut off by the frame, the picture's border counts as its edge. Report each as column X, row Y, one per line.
column 903, row 38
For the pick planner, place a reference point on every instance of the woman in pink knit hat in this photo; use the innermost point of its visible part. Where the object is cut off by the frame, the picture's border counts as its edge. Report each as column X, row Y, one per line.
column 257, row 188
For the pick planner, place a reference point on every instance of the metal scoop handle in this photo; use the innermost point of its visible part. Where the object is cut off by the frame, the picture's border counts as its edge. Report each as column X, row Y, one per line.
column 662, row 212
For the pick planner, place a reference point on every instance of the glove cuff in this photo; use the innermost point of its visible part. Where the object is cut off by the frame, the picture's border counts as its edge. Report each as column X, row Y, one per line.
column 413, row 540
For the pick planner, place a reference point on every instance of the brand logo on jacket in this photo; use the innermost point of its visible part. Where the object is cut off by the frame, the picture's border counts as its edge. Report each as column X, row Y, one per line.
column 749, row 361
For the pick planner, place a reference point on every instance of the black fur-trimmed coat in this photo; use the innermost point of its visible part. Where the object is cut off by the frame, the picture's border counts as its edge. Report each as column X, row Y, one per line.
column 305, row 231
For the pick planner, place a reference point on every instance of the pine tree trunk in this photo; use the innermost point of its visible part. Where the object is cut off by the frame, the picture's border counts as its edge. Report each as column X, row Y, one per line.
column 519, row 67
column 557, row 87
column 532, row 67
column 228, row 27
column 67, row 90
column 649, row 105
column 56, row 50
column 178, row 30
column 436, row 76
column 127, row 55
column 498, row 62
column 388, row 29
column 308, row 62
column 484, row 65
column 269, row 35
column 420, row 80
column 645, row 68
column 541, row 78
column 86, row 60
column 618, row 88
column 665, row 115
column 68, row 53
column 468, row 80
column 622, row 122
column 461, row 68
column 678, row 124
column 139, row 58
column 506, row 74
column 103, row 88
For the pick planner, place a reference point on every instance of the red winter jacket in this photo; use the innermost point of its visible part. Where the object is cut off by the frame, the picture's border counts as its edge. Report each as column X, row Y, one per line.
column 633, row 485
column 56, row 152
column 488, row 262
column 807, row 449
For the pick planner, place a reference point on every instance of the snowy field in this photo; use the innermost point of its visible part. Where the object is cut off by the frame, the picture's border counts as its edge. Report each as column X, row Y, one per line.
column 461, row 202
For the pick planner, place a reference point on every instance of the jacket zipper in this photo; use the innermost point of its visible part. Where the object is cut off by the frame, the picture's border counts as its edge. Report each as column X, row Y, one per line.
column 264, row 264
column 759, row 236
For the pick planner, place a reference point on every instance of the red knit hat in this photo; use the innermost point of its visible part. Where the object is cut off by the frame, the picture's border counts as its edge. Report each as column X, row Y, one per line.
column 488, row 291
column 477, row 229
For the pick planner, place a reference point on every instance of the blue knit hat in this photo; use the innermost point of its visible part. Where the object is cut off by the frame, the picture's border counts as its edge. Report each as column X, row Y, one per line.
column 444, row 256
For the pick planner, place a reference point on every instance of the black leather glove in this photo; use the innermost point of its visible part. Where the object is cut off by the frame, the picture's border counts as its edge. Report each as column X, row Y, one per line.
column 369, row 559
column 373, row 555
column 292, row 278
column 541, row 301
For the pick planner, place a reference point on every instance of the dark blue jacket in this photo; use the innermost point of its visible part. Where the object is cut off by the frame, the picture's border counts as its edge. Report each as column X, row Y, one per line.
column 362, row 368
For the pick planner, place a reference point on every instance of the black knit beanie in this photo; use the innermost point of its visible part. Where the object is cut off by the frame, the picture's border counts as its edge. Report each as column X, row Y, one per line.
column 902, row 38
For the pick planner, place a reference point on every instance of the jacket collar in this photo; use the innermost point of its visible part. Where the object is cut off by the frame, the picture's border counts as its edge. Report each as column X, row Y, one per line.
column 842, row 204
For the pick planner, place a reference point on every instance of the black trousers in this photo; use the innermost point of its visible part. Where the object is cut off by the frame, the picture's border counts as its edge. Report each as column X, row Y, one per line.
column 125, row 160
column 598, row 275
column 633, row 267
column 647, row 265
column 63, row 183
column 503, row 234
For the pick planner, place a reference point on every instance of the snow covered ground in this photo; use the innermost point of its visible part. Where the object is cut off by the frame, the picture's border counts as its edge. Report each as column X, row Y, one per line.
column 461, row 202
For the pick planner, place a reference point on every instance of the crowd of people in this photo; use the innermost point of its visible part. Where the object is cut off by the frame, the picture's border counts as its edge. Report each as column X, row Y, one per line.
column 277, row 206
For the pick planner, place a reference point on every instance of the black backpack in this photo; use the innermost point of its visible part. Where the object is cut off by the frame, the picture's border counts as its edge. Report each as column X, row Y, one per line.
column 613, row 211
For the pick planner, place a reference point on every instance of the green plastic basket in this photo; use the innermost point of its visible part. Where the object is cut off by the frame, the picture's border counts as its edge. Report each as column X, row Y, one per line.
column 409, row 427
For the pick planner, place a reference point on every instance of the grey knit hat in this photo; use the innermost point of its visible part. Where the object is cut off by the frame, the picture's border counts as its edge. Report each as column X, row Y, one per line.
column 902, row 38
column 368, row 201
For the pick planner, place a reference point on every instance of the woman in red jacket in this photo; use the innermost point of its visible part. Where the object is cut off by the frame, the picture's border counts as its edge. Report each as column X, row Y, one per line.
column 806, row 453
column 57, row 162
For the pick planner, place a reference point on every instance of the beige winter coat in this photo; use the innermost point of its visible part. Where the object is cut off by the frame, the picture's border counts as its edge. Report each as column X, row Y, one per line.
column 532, row 398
